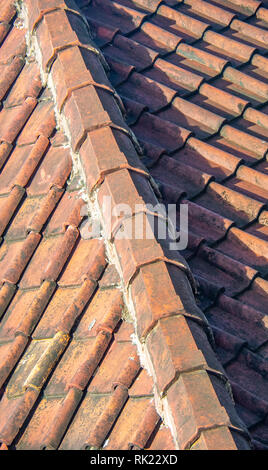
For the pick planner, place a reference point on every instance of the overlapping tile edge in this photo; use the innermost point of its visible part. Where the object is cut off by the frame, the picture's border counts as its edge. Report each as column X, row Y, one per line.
column 182, row 374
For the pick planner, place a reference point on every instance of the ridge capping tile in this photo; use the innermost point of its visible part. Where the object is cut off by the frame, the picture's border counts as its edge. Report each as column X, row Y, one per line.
column 37, row 15
column 41, row 8
column 88, row 109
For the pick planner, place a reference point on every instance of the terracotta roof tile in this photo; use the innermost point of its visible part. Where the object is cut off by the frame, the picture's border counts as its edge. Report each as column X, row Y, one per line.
column 28, row 84
column 116, row 15
column 8, row 11
column 15, row 256
column 42, row 122
column 64, row 318
column 21, row 164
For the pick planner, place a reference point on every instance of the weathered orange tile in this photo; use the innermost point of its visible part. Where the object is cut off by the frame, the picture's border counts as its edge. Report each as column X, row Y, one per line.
column 65, row 412
column 34, row 273
column 12, row 120
column 11, row 352
column 75, row 309
column 52, row 39
column 46, row 363
column 72, row 359
column 106, row 420
column 6, row 293
column 212, row 12
column 22, row 163
column 33, row 438
column 54, row 170
column 5, row 150
column 218, row 439
column 105, row 308
column 36, row 309
column 152, row 303
column 146, row 428
column 8, row 10
column 14, row 45
column 170, row 358
column 143, row 385
column 262, row 14
column 28, row 84
column 46, row 207
column 110, row 277
column 127, row 424
column 69, row 212
column 36, row 364
column 62, row 299
column 15, row 413
column 60, row 254
column 16, row 312
column 42, row 122
column 120, row 187
column 13, row 166
column 69, row 71
column 163, row 440
column 252, row 143
column 255, row 34
column 25, row 366
column 95, row 157
column 92, row 359
column 192, row 396
column 89, row 411
column 102, row 113
column 250, row 85
column 87, row 262
column 8, row 205
column 15, row 257
column 108, row 375
column 182, row 23
column 7, row 407
column 9, row 73
column 228, row 47
column 18, row 228
column 223, row 100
